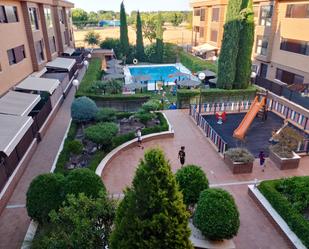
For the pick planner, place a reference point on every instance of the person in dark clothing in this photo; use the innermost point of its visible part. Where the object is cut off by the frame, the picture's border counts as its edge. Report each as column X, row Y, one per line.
column 262, row 160
column 182, row 155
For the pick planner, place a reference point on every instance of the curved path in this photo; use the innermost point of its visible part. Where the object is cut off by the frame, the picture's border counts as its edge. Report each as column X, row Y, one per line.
column 255, row 231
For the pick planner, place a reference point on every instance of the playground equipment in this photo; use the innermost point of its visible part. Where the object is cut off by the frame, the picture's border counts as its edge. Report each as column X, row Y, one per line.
column 255, row 109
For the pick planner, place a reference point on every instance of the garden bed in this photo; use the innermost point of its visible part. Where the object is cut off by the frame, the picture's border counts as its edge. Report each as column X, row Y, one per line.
column 290, row 198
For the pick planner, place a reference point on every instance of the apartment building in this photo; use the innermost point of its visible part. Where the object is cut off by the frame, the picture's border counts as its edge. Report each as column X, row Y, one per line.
column 281, row 46
column 31, row 34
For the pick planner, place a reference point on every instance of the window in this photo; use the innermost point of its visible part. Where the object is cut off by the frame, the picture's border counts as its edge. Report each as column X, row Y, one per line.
column 202, row 32
column 288, row 77
column 265, row 15
column 52, row 44
column 263, row 70
column 214, row 35
column 61, row 15
column 16, row 55
column 203, row 15
column 39, row 51
column 297, row 11
column 197, row 11
column 8, row 14
column 33, row 18
column 215, row 14
column 48, row 18
column 196, row 29
column 295, row 46
column 261, row 45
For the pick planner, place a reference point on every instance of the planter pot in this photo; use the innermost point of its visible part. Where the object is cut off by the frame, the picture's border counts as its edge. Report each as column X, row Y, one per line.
column 238, row 167
column 284, row 163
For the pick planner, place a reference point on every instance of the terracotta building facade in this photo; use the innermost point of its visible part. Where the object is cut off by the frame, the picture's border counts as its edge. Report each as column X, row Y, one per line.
column 31, row 34
column 281, row 45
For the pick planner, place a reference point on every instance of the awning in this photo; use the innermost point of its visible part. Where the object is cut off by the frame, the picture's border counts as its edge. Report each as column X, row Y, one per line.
column 69, row 51
column 204, row 48
column 39, row 84
column 12, row 130
column 17, row 103
column 61, row 63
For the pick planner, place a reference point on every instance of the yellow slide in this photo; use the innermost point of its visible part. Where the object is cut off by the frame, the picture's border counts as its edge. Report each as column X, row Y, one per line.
column 242, row 129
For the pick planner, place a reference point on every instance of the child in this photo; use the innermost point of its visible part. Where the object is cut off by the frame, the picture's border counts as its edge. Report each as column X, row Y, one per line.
column 182, row 155
column 262, row 160
column 139, row 137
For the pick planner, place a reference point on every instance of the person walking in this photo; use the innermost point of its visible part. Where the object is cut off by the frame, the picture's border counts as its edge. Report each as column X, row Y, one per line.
column 262, row 160
column 182, row 155
column 139, row 138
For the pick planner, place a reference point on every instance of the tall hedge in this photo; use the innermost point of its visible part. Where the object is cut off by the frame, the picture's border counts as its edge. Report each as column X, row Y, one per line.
column 124, row 38
column 140, row 53
column 152, row 213
column 230, row 46
column 246, row 39
column 159, row 39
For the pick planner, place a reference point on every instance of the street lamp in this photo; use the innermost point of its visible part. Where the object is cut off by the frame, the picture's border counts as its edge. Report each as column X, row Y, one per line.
column 86, row 64
column 202, row 77
column 76, row 84
column 89, row 56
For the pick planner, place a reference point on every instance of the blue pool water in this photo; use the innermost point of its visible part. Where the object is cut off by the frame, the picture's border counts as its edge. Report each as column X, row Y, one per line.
column 159, row 73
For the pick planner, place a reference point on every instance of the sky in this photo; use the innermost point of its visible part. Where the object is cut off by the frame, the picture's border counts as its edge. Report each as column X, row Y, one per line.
column 141, row 5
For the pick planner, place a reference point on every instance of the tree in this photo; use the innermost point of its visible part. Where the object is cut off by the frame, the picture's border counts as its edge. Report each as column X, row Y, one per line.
column 75, row 147
column 159, row 39
column 92, row 38
column 44, row 194
column 83, row 181
column 83, row 109
column 106, row 115
column 230, row 46
column 102, row 133
column 216, row 215
column 124, row 39
column 82, row 223
column 152, row 213
column 192, row 181
column 111, row 43
column 149, row 27
column 140, row 53
column 151, row 105
column 79, row 17
column 176, row 20
column 246, row 39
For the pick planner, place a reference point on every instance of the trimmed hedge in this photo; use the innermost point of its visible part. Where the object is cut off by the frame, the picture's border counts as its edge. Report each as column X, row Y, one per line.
column 118, row 97
column 298, row 224
column 196, row 64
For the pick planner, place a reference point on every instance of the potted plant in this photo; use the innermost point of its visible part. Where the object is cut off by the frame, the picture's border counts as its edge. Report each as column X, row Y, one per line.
column 239, row 160
column 282, row 153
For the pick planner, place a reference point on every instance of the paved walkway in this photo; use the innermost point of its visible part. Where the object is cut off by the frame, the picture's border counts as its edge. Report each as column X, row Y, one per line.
column 256, row 231
column 14, row 220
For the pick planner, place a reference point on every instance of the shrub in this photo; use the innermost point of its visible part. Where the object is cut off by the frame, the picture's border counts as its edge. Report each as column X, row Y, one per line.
column 106, row 87
column 192, row 181
column 169, row 53
column 151, row 105
column 194, row 63
column 288, row 140
column 101, row 133
column 111, row 43
column 216, row 215
column 152, row 213
column 83, row 181
column 83, row 109
column 92, row 38
column 44, row 194
column 240, row 155
column 144, row 117
column 121, row 139
column 121, row 115
column 75, row 147
column 106, row 115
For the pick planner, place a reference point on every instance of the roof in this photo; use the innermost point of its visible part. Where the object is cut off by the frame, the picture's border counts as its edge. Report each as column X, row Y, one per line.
column 206, row 47
column 69, row 51
column 39, row 84
column 12, row 130
column 17, row 103
column 61, row 63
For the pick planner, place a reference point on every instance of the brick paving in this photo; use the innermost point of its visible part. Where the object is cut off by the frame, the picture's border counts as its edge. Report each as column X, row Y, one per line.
column 256, row 231
column 14, row 221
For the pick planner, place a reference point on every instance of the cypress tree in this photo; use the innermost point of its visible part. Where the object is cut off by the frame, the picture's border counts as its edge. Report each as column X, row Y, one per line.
column 152, row 213
column 229, row 48
column 246, row 39
column 159, row 39
column 140, row 53
column 124, row 39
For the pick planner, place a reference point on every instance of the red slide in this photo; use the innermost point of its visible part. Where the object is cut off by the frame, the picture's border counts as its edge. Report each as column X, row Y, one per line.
column 242, row 129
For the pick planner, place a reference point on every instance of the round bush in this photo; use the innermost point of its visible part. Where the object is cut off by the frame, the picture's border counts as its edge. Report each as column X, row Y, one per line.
column 106, row 115
column 192, row 181
column 75, row 147
column 216, row 215
column 44, row 194
column 151, row 105
column 83, row 109
column 83, row 181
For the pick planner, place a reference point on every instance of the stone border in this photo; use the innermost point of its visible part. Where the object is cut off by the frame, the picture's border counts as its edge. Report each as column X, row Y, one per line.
column 133, row 143
column 275, row 218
